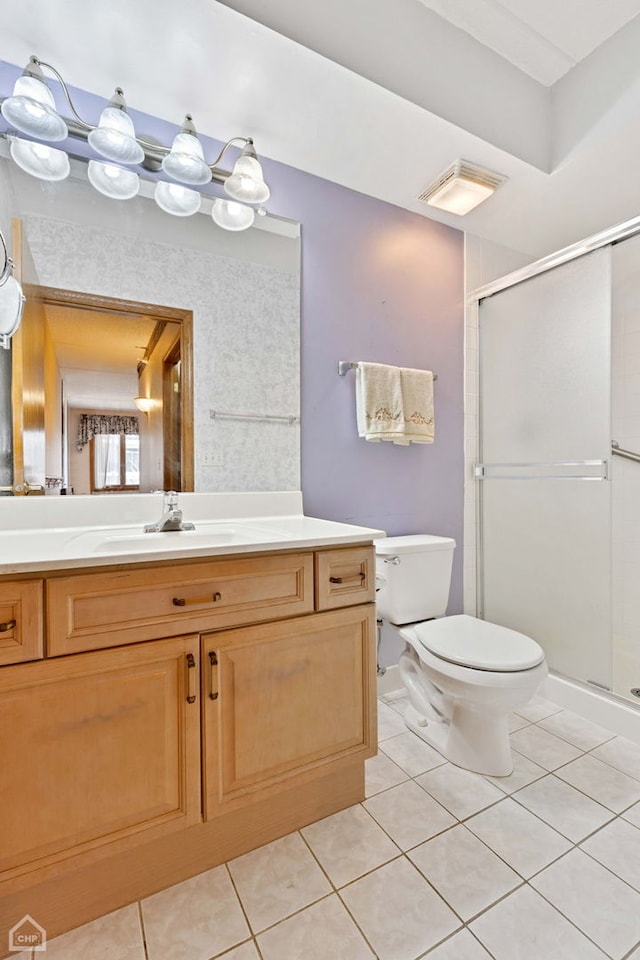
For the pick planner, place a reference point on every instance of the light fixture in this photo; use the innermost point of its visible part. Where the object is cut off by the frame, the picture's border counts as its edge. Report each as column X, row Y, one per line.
column 231, row 215
column 177, row 200
column 113, row 181
column 144, row 404
column 185, row 162
column 461, row 188
column 114, row 137
column 12, row 299
column 246, row 182
column 31, row 110
column 38, row 159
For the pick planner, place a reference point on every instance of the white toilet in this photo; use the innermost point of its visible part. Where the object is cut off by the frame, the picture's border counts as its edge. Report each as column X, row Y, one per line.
column 463, row 675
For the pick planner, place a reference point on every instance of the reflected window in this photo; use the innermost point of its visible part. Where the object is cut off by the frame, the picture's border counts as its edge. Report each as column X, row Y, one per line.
column 115, row 462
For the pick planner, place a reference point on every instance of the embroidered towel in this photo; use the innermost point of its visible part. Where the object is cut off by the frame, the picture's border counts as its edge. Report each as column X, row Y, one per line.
column 379, row 408
column 417, row 402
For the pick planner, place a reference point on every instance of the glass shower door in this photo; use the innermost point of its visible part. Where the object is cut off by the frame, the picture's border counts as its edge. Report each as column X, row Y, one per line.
column 544, row 506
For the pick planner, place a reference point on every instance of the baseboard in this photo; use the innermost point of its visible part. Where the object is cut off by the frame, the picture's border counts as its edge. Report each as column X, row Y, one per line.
column 598, row 706
column 390, row 681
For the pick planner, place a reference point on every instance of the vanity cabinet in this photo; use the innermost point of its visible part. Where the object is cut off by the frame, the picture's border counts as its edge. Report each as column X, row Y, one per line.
column 181, row 714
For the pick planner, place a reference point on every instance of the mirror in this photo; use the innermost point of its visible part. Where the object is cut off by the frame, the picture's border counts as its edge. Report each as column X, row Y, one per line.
column 208, row 321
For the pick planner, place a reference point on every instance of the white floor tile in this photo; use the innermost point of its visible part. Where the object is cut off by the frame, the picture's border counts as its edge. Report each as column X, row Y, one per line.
column 277, row 880
column 399, row 704
column 461, row 792
column 633, row 815
column 380, row 773
column 399, row 913
column 116, row 936
column 524, row 771
column 464, row 871
column 526, row 927
column 596, row 901
column 617, row 847
column 566, row 810
column 516, row 722
column 195, row 919
column 578, row 731
column 603, row 783
column 621, row 754
column 408, row 814
column 324, row 931
column 521, row 839
column 412, row 754
column 390, row 722
column 349, row 844
column 461, row 946
column 537, row 709
column 543, row 748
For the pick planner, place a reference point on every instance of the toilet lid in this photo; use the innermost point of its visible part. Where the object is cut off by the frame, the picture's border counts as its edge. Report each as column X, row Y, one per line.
column 470, row 642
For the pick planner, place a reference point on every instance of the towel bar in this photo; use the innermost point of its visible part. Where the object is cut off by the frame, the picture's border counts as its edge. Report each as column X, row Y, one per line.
column 345, row 365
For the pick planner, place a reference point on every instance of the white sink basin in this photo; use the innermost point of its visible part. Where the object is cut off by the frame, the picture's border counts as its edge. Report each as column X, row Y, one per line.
column 211, row 534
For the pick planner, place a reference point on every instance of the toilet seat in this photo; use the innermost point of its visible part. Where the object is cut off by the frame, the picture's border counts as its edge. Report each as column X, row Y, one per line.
column 469, row 642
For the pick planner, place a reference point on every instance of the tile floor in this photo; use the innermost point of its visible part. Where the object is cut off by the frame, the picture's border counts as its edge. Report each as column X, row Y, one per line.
column 436, row 863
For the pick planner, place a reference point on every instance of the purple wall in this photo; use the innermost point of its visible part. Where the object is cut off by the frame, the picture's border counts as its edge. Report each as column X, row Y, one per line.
column 378, row 284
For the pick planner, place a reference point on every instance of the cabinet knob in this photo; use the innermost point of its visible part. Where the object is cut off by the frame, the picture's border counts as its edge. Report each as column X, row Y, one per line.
column 7, row 625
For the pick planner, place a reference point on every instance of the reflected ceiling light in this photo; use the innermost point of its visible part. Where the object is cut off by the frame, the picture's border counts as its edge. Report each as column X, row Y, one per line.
column 39, row 160
column 231, row 215
column 113, row 181
column 177, row 200
column 461, row 188
column 144, row 404
column 186, row 162
column 31, row 108
column 246, row 182
column 12, row 299
column 115, row 137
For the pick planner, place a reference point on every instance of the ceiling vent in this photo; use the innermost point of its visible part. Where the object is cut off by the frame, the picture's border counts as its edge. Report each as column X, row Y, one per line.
column 461, row 188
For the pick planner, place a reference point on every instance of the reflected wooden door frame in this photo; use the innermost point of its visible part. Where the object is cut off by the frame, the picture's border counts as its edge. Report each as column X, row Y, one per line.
column 90, row 301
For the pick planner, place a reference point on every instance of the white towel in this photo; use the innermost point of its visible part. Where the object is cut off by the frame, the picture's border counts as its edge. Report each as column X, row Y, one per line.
column 417, row 401
column 379, row 408
column 394, row 403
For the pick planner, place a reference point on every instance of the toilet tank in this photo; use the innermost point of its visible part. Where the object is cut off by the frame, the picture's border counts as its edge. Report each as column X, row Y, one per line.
column 413, row 576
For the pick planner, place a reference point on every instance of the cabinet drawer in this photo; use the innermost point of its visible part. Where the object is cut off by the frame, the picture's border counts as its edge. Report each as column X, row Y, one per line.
column 92, row 611
column 345, row 577
column 20, row 621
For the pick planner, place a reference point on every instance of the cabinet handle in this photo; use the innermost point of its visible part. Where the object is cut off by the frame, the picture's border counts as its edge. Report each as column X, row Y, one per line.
column 191, row 678
column 213, row 661
column 185, row 601
column 358, row 578
column 8, row 625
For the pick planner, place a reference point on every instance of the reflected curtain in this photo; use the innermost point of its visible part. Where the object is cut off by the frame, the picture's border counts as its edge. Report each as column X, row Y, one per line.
column 92, row 423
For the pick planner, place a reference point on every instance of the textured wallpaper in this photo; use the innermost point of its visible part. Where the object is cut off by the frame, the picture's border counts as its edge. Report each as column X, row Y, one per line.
column 246, row 340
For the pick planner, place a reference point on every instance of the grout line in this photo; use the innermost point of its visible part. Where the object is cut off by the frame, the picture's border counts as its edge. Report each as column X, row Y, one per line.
column 142, row 930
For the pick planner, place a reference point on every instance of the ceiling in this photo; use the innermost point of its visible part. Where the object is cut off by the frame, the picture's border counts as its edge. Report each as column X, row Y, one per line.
column 383, row 95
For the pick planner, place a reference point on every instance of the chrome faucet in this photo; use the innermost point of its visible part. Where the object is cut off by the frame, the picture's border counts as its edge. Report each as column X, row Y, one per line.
column 171, row 518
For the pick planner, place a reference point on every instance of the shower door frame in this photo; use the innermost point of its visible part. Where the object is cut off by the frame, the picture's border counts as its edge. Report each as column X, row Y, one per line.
column 609, row 237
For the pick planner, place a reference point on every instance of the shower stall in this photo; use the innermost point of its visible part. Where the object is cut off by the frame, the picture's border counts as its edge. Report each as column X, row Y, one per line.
column 557, row 476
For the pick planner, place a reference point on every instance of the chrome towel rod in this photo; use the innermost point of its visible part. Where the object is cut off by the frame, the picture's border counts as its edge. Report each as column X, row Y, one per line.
column 261, row 417
column 619, row 451
column 345, row 365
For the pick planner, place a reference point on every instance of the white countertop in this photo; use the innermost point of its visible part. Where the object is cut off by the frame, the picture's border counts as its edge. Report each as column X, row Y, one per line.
column 53, row 533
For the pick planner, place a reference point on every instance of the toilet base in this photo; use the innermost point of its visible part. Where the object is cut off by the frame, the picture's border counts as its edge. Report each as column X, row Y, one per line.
column 469, row 740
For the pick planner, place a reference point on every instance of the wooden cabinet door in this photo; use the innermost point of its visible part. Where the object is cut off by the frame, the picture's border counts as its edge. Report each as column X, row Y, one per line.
column 281, row 700
column 98, row 749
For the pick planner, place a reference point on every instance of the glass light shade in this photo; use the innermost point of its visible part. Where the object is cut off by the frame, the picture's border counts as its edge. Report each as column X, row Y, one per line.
column 31, row 109
column 39, row 160
column 460, row 196
column 114, row 137
column 11, row 306
column 112, row 181
column 232, row 216
column 246, row 182
column 186, row 161
column 144, row 404
column 176, row 200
